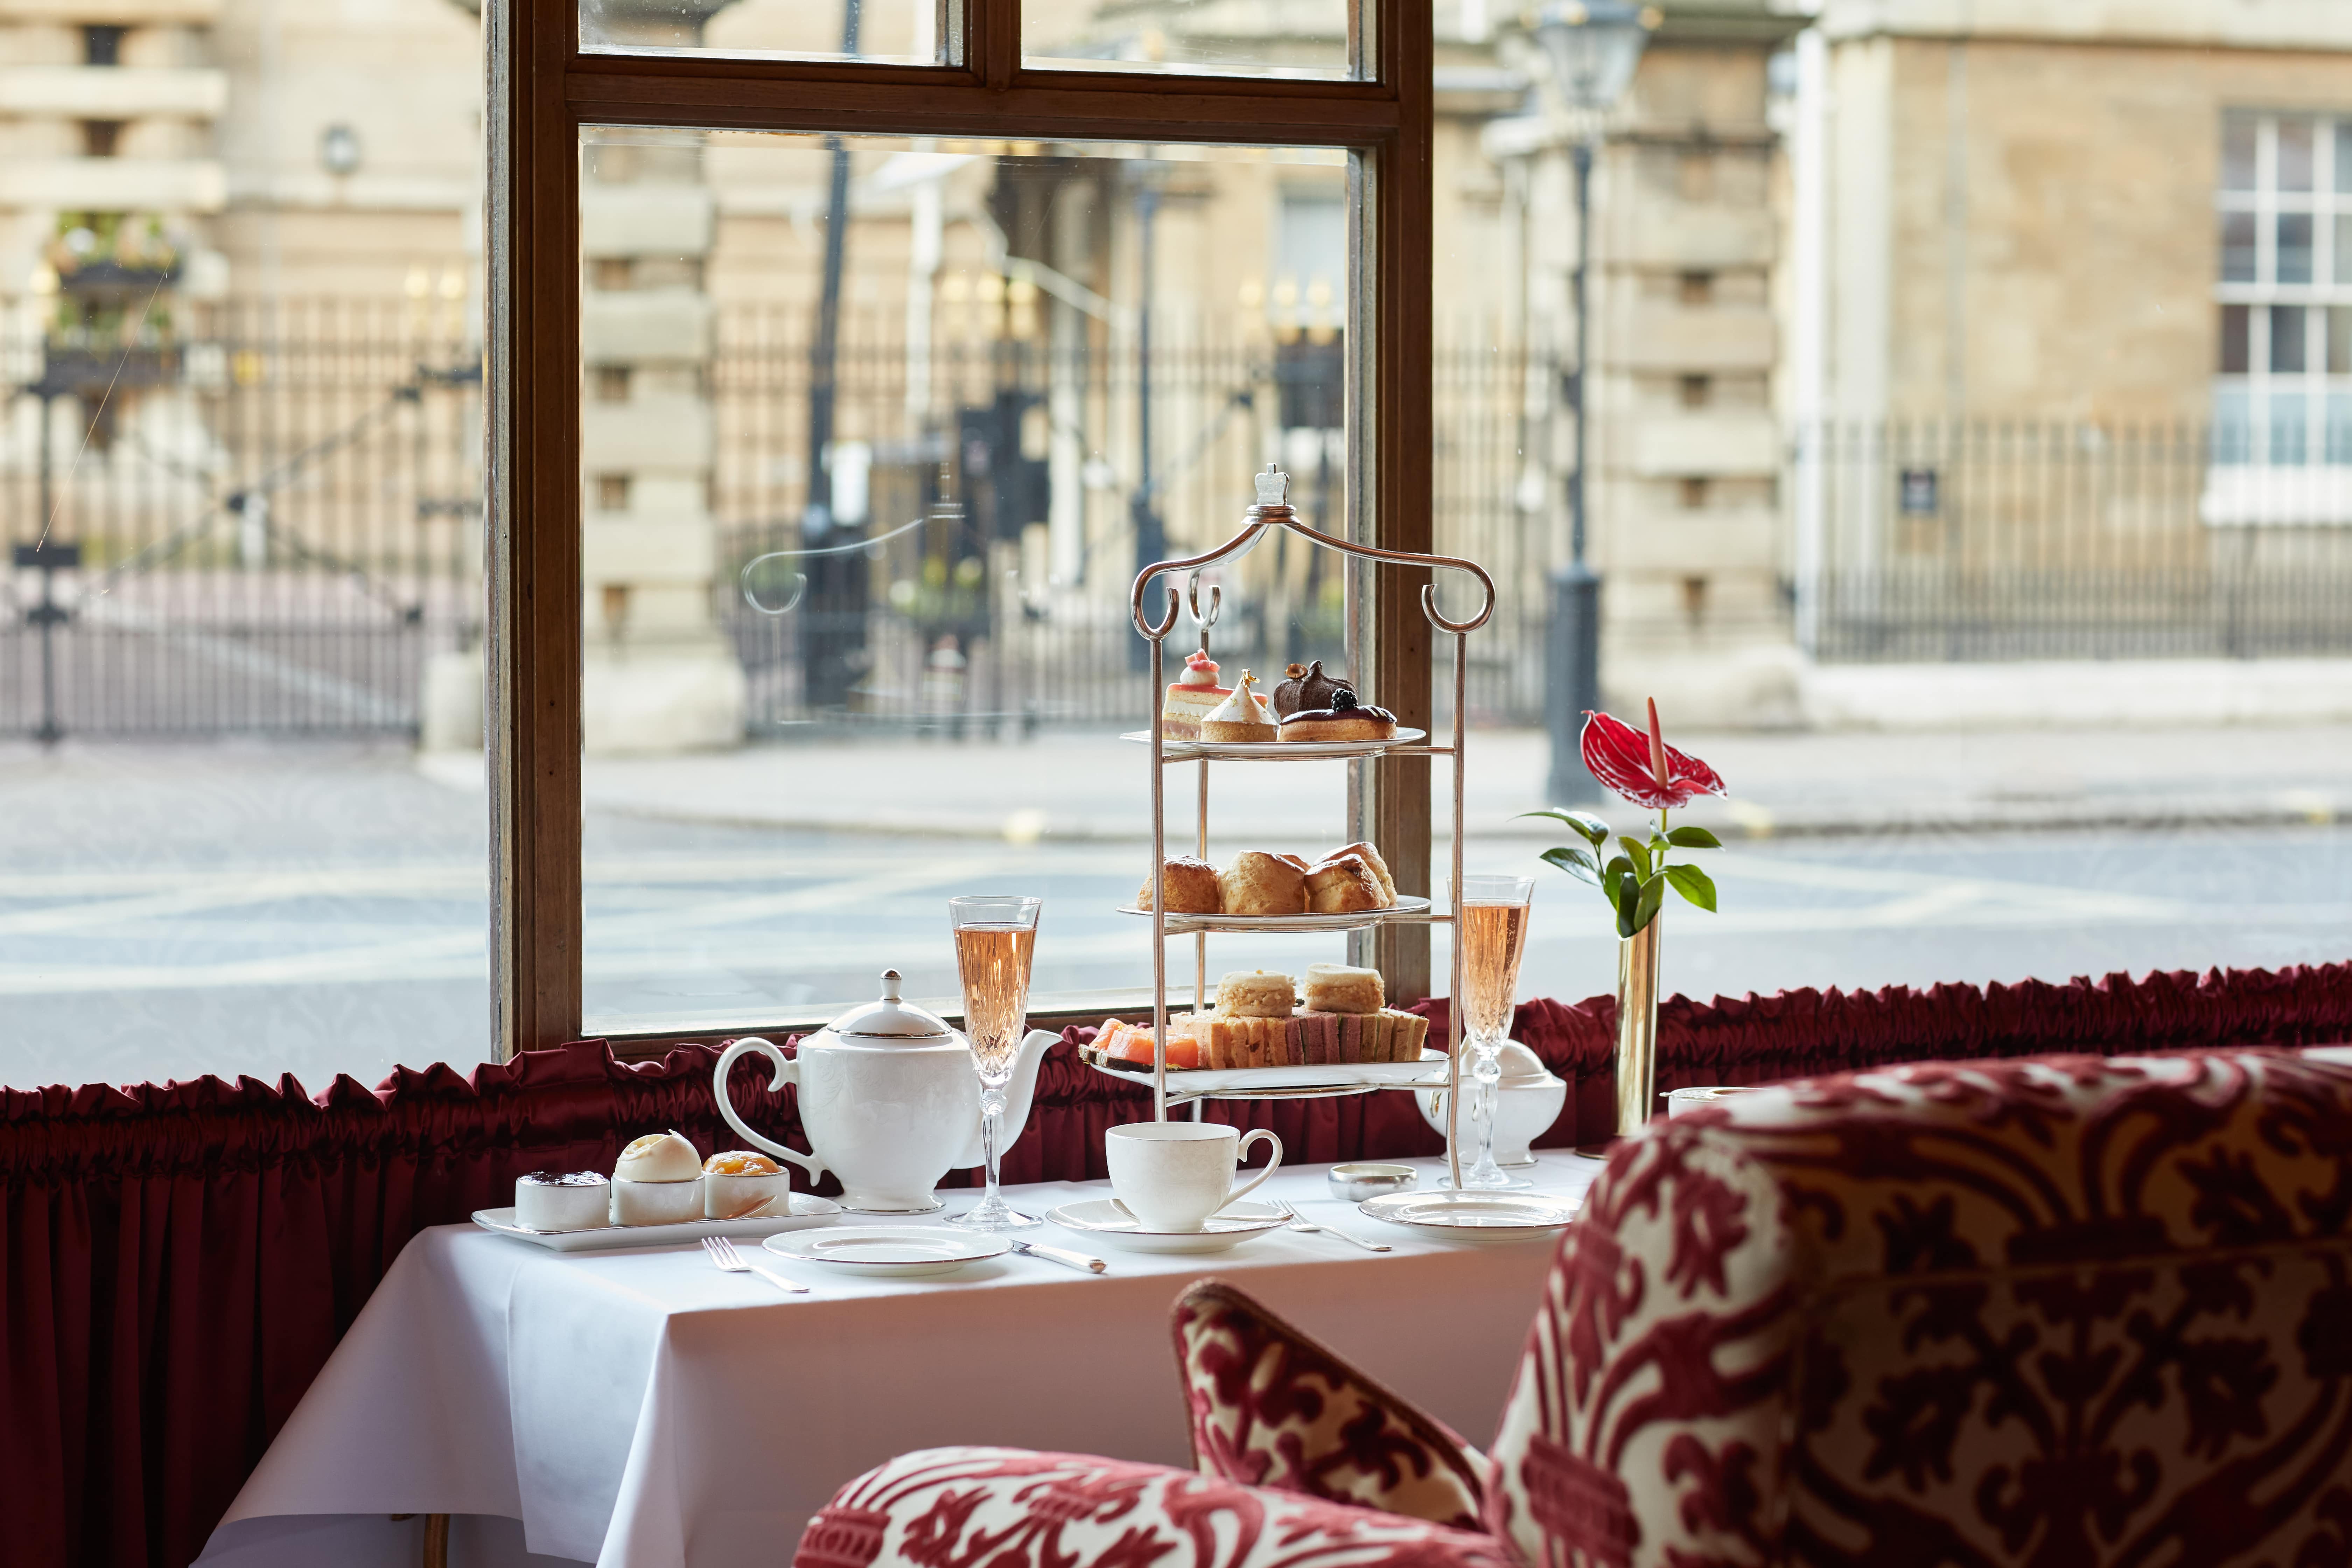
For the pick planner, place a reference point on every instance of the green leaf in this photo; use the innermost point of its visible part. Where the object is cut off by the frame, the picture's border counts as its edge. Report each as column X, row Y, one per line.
column 1595, row 831
column 1639, row 853
column 1653, row 893
column 1694, row 884
column 1628, row 899
column 1576, row 862
column 1618, row 867
column 1693, row 839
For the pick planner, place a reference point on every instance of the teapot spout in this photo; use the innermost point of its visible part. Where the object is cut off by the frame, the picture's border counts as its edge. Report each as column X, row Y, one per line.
column 1019, row 1093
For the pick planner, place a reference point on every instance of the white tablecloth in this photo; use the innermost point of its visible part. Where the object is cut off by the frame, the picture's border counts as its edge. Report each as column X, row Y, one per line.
column 639, row 1407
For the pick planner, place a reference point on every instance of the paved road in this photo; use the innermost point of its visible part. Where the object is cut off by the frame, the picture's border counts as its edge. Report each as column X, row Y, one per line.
column 315, row 909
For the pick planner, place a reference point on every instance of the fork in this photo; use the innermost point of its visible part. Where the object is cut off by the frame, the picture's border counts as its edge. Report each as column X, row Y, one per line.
column 1300, row 1222
column 730, row 1261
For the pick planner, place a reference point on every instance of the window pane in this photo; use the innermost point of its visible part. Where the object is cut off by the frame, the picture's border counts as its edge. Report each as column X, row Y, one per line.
column 1299, row 39
column 884, row 32
column 2339, row 339
column 2234, row 358
column 2295, row 154
column 2339, row 428
column 2287, row 339
column 242, row 827
column 2344, row 156
column 2240, row 137
column 2294, row 254
column 2289, row 439
column 2238, row 251
column 933, row 424
column 2233, row 421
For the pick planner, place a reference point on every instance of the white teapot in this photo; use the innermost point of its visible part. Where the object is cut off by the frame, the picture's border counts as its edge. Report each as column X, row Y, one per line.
column 889, row 1101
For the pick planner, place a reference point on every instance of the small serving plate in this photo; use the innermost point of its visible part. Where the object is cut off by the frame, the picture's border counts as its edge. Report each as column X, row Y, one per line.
column 1474, row 1216
column 806, row 1211
column 1293, row 751
column 1409, row 907
column 891, row 1251
column 1229, row 1226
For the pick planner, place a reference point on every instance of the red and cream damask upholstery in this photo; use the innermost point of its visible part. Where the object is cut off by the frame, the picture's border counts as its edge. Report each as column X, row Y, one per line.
column 2059, row 1312
column 1270, row 1406
column 996, row 1508
column 2055, row 1312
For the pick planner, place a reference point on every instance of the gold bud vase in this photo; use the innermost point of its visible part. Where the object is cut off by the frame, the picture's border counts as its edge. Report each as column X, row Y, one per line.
column 1637, row 1034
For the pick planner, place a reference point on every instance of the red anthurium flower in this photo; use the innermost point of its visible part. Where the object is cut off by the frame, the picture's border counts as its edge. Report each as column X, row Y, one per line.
column 1643, row 768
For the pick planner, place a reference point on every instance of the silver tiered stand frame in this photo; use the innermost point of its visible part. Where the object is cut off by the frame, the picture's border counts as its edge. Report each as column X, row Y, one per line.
column 1271, row 512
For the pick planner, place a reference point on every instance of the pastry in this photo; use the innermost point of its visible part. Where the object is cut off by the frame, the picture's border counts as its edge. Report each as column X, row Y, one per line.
column 659, row 1157
column 1242, row 716
column 1262, row 884
column 1257, row 994
column 1371, row 857
column 742, row 1185
column 1190, row 698
column 1297, row 860
column 1344, row 720
column 1307, row 687
column 1191, row 888
column 575, row 1200
column 1344, row 886
column 1338, row 988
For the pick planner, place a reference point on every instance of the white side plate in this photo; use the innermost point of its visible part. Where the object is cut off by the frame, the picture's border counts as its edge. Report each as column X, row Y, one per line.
column 806, row 1211
column 891, row 1251
column 1229, row 1226
column 1276, row 751
column 1215, row 1080
column 1474, row 1216
column 1407, row 907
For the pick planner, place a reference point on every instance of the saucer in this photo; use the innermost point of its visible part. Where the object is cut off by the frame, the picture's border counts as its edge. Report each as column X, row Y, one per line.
column 890, row 1251
column 1475, row 1216
column 1230, row 1225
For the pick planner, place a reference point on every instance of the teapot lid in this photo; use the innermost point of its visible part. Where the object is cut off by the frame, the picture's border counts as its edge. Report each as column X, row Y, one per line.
column 891, row 1021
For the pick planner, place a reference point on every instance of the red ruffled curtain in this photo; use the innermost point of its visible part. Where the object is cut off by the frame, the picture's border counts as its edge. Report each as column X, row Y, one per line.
column 176, row 1262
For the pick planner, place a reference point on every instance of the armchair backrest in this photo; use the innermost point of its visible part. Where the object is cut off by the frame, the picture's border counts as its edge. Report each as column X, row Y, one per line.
column 2058, row 1310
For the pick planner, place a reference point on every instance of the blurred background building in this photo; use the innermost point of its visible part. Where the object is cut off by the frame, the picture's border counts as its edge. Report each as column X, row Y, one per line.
column 1920, row 334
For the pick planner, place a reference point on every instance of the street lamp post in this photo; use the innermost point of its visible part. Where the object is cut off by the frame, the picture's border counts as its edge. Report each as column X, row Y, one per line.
column 1594, row 46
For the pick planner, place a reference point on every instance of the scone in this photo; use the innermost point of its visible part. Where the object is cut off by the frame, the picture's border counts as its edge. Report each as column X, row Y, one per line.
column 1371, row 857
column 1344, row 886
column 1191, row 888
column 1257, row 994
column 1345, row 719
column 1261, row 884
column 1338, row 988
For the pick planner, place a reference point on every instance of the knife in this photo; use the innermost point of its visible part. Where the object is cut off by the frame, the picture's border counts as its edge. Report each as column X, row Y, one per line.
column 1078, row 1260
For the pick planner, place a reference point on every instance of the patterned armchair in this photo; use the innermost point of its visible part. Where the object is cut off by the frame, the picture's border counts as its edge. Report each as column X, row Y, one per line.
column 2060, row 1311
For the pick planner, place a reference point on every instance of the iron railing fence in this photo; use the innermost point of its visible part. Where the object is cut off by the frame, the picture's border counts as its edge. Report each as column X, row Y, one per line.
column 2021, row 539
column 280, row 525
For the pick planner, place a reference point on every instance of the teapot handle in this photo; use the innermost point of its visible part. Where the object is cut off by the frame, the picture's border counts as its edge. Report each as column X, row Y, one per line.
column 787, row 1072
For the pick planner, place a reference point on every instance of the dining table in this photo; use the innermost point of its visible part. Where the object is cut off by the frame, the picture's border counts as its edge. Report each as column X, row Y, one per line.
column 636, row 1408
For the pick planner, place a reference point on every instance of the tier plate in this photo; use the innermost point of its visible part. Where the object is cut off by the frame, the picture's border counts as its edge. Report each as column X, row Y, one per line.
column 1192, row 1081
column 1404, row 909
column 1275, row 750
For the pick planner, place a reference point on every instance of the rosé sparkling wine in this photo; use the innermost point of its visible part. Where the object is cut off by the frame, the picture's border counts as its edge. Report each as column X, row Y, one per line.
column 1493, row 938
column 994, row 964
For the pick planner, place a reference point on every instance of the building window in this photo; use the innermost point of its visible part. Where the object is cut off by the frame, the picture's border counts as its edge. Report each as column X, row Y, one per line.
column 102, row 43
column 101, row 138
column 2282, row 389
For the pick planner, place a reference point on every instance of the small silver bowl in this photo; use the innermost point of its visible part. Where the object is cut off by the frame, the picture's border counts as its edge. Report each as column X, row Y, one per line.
column 1354, row 1183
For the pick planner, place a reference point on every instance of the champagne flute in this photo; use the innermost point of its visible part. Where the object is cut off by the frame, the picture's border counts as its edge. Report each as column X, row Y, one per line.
column 1490, row 921
column 995, row 939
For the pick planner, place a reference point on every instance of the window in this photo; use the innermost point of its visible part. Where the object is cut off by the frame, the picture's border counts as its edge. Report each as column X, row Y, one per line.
column 939, row 366
column 2285, row 338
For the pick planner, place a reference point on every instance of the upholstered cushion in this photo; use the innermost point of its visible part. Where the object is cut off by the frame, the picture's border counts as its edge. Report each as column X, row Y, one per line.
column 1270, row 1406
column 2066, row 1311
column 1006, row 1507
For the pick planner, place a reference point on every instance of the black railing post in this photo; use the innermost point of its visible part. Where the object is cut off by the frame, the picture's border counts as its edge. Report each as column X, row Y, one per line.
column 49, row 558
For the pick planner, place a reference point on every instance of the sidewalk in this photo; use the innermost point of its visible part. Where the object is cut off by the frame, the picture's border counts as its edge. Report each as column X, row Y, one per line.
column 1073, row 787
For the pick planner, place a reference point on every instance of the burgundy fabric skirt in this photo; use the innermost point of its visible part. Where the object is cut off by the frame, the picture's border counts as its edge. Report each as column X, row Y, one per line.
column 177, row 1261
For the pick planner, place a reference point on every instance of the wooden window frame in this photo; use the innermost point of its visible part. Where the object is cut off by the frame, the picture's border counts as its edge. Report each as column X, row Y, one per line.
column 542, row 91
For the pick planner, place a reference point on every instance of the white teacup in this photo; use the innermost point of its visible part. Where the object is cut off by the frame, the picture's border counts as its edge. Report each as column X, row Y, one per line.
column 1173, row 1175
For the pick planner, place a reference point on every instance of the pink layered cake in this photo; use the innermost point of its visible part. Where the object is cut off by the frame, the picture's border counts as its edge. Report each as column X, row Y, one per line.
column 1191, row 696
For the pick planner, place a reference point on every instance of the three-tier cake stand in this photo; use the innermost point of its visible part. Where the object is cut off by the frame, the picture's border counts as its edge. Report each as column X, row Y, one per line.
column 1273, row 512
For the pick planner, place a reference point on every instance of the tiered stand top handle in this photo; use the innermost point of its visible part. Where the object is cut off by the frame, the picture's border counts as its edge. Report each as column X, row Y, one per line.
column 1271, row 511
